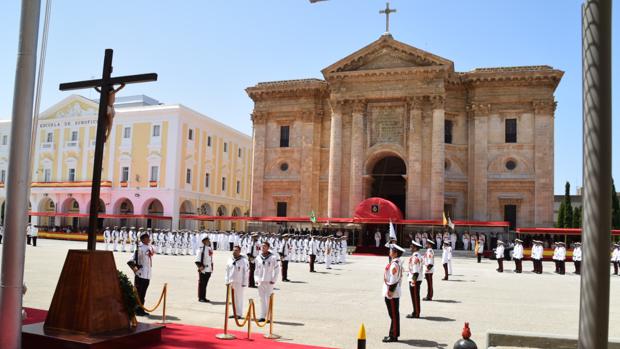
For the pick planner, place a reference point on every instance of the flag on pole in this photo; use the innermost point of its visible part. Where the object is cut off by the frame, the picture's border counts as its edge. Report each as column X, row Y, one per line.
column 450, row 224
column 313, row 217
column 392, row 231
column 445, row 220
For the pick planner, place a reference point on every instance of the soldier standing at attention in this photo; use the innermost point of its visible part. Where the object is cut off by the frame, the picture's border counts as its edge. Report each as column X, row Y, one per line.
column 237, row 275
column 517, row 255
column 615, row 258
column 141, row 265
column 266, row 274
column 415, row 279
column 577, row 257
column 204, row 262
column 446, row 256
column 499, row 255
column 391, row 291
column 429, row 268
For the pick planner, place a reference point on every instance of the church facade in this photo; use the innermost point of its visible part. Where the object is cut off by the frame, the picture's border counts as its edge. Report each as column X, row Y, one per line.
column 396, row 122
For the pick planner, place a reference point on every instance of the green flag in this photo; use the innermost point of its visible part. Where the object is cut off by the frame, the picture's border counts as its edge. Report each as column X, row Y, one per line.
column 312, row 217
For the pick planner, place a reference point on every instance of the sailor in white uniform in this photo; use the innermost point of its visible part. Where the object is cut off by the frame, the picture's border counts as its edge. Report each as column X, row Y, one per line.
column 392, row 277
column 267, row 269
column 236, row 276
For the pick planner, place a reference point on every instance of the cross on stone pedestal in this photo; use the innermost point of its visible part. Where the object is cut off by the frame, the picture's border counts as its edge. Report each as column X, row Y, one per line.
column 105, row 86
column 387, row 13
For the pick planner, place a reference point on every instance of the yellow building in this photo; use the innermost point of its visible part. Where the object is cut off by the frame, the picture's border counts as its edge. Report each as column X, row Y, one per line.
column 159, row 160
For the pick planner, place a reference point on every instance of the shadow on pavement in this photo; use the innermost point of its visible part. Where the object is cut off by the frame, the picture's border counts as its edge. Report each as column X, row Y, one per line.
column 437, row 318
column 421, row 343
column 287, row 323
column 159, row 317
column 451, row 301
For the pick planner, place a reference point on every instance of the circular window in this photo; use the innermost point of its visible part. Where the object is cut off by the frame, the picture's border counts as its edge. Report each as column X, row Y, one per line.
column 511, row 165
column 283, row 166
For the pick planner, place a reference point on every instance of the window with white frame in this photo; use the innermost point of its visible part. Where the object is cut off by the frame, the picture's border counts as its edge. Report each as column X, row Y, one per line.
column 127, row 132
column 223, row 183
column 50, row 137
column 47, row 175
column 238, row 187
column 154, row 173
column 239, row 151
column 156, row 130
column 207, row 180
column 188, row 176
column 125, row 174
column 74, row 136
column 190, row 134
column 208, row 141
column 225, row 147
column 5, row 139
column 3, row 176
column 72, row 175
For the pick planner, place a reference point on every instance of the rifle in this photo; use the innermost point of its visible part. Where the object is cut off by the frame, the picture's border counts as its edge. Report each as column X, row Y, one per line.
column 134, row 262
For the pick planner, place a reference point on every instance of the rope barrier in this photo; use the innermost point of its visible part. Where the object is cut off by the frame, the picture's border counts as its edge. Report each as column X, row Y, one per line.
column 250, row 316
column 163, row 297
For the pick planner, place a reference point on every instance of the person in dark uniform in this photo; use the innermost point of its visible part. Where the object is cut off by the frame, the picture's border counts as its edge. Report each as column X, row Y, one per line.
column 253, row 252
column 415, row 268
column 391, row 291
column 204, row 262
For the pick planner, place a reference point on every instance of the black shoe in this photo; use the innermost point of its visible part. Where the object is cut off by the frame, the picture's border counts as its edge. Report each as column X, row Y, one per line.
column 261, row 320
column 203, row 300
column 427, row 299
column 411, row 316
column 389, row 339
column 142, row 313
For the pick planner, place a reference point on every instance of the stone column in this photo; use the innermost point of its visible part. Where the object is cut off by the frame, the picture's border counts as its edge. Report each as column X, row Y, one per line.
column 477, row 176
column 543, row 162
column 438, row 158
column 335, row 163
column 307, row 163
column 414, row 159
column 258, row 162
column 357, row 156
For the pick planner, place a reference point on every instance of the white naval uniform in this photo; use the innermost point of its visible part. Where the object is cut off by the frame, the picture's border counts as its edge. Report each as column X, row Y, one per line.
column 106, row 238
column 377, row 239
column 145, row 254
column 266, row 275
column 499, row 252
column 517, row 251
column 392, row 277
column 115, row 237
column 237, row 275
column 446, row 258
column 577, row 254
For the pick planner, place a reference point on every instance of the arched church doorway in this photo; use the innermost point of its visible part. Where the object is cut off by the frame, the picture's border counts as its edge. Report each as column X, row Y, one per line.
column 389, row 181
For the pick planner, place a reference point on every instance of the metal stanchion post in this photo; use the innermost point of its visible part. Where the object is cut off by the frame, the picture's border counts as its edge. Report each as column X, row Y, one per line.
column 271, row 335
column 165, row 299
column 250, row 322
column 226, row 335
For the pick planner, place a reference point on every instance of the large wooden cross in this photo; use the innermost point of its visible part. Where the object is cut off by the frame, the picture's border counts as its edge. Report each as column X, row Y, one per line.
column 105, row 86
column 387, row 13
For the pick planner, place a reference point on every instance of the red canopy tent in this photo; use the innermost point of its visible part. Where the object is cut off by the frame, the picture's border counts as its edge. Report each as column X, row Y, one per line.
column 377, row 210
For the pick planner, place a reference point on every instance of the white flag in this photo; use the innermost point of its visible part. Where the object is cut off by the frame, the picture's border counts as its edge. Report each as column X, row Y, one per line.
column 450, row 224
column 392, row 231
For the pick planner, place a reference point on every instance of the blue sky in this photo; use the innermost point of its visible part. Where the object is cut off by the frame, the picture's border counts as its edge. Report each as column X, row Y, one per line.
column 207, row 52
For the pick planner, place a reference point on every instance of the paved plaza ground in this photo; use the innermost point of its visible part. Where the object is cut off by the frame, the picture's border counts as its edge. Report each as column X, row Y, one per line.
column 327, row 308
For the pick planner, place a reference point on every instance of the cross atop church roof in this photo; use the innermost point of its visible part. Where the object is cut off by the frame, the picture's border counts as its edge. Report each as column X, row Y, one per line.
column 387, row 13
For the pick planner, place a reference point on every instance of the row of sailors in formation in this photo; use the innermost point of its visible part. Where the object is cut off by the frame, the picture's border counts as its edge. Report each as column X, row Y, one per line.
column 537, row 255
column 465, row 241
column 184, row 242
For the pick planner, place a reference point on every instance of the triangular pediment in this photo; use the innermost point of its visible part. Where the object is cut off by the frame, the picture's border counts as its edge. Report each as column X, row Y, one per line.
column 70, row 107
column 387, row 53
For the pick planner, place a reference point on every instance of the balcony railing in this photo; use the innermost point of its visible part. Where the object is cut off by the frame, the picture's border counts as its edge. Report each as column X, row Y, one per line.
column 72, row 144
column 47, row 146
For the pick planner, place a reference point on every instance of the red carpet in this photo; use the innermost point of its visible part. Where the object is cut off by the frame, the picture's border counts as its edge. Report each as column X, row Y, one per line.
column 371, row 251
column 176, row 336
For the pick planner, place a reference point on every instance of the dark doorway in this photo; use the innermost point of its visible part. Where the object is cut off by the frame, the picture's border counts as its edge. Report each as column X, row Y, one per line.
column 389, row 182
column 510, row 215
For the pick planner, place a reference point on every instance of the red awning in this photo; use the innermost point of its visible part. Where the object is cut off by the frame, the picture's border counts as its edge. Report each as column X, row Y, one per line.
column 378, row 209
column 557, row 231
column 213, row 218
